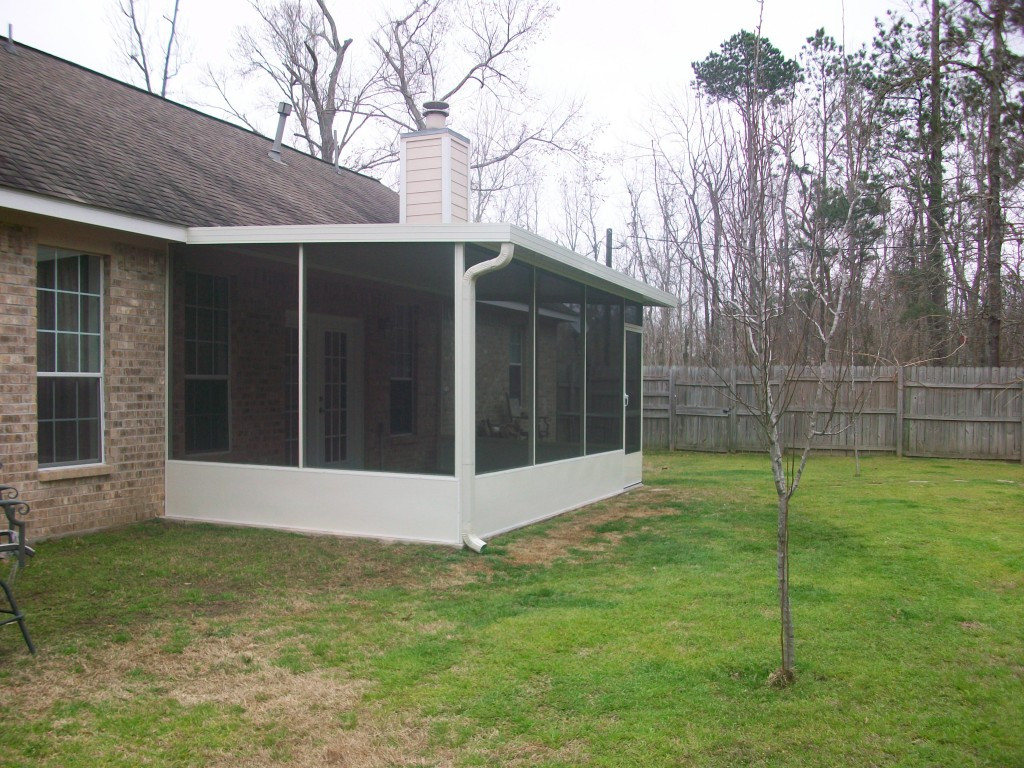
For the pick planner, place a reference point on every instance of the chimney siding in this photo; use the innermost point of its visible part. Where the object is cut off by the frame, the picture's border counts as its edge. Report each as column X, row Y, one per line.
column 434, row 177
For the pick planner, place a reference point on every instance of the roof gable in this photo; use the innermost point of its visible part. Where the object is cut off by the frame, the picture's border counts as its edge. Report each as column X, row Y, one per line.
column 74, row 134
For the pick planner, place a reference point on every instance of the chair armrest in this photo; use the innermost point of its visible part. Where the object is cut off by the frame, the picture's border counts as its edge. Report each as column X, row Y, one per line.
column 14, row 508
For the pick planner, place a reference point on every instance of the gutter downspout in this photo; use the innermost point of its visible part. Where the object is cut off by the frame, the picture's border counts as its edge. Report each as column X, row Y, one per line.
column 467, row 390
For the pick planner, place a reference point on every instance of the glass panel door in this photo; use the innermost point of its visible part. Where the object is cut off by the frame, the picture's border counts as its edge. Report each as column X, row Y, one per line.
column 334, row 402
column 634, row 392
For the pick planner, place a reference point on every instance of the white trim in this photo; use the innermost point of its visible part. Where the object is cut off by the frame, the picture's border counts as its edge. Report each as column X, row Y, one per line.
column 433, row 132
column 464, row 376
column 87, row 214
column 402, row 178
column 446, row 179
column 469, row 182
column 105, row 273
column 530, row 248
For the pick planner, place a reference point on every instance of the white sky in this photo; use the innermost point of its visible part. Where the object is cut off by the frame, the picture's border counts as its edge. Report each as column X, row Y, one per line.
column 613, row 55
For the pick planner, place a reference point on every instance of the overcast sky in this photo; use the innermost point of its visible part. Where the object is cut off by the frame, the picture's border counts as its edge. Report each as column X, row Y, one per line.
column 615, row 55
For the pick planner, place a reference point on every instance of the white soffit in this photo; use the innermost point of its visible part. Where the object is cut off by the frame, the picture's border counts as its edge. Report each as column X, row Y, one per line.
column 530, row 248
column 87, row 214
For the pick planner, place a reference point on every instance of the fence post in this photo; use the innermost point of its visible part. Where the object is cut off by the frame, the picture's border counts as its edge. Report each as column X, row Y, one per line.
column 733, row 436
column 671, row 407
column 899, row 410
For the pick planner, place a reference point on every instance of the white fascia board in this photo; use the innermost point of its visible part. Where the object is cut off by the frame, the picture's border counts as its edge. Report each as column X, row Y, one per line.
column 87, row 214
column 573, row 264
column 349, row 233
column 530, row 248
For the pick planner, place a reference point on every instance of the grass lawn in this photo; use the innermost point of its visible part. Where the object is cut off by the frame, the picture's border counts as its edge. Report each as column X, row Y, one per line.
column 637, row 632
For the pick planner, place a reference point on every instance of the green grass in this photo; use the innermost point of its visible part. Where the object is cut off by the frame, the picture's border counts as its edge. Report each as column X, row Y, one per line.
column 644, row 639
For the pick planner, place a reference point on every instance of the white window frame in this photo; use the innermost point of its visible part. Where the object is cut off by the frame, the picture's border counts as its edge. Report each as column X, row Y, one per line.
column 55, row 253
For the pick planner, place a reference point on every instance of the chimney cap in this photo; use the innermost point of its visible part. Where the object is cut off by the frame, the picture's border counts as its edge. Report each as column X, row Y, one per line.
column 284, row 108
column 435, row 115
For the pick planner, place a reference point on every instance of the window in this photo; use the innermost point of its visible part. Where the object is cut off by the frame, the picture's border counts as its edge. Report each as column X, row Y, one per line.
column 69, row 350
column 206, row 363
column 403, row 370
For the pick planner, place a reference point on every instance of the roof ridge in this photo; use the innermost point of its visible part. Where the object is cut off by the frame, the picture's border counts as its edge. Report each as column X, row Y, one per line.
column 4, row 50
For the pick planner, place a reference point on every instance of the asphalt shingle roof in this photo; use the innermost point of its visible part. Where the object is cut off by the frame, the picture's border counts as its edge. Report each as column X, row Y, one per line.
column 71, row 133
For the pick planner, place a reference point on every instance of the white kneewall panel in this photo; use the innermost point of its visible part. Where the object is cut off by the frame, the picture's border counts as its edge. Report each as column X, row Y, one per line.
column 517, row 497
column 633, row 469
column 370, row 504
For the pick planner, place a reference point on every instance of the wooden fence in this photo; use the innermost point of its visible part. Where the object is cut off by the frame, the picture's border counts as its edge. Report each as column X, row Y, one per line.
column 975, row 413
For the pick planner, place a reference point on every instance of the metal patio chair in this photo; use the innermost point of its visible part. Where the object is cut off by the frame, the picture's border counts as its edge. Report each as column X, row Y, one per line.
column 14, row 553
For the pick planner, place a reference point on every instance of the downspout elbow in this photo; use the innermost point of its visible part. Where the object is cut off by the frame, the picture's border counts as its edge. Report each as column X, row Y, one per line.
column 502, row 260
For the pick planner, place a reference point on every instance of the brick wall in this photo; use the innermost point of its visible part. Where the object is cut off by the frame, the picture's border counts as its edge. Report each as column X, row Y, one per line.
column 130, row 484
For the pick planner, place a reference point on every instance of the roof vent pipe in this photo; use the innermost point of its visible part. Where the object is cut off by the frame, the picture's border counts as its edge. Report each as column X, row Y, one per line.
column 283, row 109
column 9, row 45
column 435, row 114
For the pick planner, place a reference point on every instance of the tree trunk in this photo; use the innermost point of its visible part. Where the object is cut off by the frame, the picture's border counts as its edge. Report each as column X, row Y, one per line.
column 993, row 201
column 786, row 634
column 935, row 220
column 784, row 674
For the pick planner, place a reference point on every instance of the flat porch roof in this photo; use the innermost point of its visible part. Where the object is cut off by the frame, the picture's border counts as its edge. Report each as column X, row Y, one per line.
column 529, row 248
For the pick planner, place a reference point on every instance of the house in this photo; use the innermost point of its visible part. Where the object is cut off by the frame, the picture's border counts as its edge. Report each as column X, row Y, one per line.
column 199, row 324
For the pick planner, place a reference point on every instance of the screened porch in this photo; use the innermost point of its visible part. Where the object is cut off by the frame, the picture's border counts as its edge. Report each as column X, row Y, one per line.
column 345, row 386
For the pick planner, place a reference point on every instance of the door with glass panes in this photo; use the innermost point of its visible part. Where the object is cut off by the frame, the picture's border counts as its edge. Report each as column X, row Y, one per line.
column 334, row 393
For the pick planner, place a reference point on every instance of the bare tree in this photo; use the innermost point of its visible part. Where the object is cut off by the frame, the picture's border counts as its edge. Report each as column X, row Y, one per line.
column 156, row 63
column 473, row 52
column 437, row 49
column 582, row 191
column 514, row 146
column 785, row 301
column 302, row 59
column 351, row 102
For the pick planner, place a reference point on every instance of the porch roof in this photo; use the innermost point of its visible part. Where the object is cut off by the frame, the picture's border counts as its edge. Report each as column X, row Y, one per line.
column 530, row 248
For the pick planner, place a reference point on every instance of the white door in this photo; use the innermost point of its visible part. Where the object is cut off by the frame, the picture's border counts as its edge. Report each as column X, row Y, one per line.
column 334, row 393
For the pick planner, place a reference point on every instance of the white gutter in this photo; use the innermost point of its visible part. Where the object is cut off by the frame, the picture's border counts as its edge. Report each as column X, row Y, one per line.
column 466, row 390
column 82, row 213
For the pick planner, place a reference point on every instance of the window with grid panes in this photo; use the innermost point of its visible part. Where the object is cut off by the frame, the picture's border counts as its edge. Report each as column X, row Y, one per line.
column 206, row 363
column 69, row 354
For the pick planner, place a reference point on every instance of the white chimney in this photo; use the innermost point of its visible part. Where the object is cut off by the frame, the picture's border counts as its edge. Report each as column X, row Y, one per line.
column 434, row 184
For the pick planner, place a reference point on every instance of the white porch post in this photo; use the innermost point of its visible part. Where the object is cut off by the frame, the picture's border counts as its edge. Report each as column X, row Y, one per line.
column 465, row 390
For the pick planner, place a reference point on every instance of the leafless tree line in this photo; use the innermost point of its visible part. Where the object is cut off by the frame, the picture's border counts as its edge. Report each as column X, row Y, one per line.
column 890, row 175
